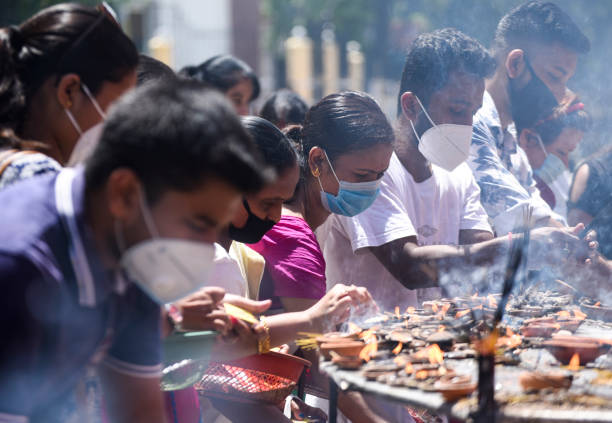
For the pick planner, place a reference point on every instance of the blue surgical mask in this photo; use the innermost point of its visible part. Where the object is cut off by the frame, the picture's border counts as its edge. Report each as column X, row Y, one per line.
column 552, row 167
column 353, row 197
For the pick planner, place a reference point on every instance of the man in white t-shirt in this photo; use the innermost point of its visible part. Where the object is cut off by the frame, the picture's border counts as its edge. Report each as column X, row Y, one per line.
column 420, row 203
column 428, row 212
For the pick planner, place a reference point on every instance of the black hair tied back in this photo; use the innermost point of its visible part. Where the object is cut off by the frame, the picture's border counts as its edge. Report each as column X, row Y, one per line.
column 12, row 95
column 295, row 134
column 16, row 40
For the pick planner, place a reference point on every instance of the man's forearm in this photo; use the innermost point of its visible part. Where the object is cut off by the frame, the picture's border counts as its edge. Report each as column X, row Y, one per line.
column 421, row 266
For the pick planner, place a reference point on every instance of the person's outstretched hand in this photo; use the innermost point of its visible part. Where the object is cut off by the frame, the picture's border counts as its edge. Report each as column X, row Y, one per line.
column 336, row 306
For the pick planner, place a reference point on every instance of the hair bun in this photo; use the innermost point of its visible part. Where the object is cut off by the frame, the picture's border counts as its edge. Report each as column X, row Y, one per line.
column 15, row 40
column 295, row 133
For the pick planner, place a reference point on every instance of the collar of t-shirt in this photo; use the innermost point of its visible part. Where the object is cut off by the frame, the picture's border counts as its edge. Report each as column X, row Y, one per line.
column 505, row 139
column 94, row 281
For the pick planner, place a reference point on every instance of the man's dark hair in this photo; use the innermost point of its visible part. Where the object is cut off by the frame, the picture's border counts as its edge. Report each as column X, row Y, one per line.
column 152, row 70
column 435, row 55
column 274, row 146
column 284, row 107
column 174, row 135
column 538, row 21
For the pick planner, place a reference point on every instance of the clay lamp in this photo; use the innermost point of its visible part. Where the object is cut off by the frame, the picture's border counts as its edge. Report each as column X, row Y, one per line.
column 343, row 349
column 545, row 380
column 564, row 349
column 453, row 388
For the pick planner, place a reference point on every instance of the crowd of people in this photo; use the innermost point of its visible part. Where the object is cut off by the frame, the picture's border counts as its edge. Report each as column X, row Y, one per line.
column 136, row 201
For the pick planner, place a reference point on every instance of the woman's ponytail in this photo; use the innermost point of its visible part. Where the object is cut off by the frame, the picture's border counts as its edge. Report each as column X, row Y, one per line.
column 12, row 94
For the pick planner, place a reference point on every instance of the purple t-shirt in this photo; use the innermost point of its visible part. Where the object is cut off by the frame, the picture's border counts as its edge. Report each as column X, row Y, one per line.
column 60, row 308
column 294, row 259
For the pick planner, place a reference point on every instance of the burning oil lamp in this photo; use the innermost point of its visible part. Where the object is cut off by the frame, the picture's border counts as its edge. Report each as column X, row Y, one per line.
column 370, row 349
column 565, row 348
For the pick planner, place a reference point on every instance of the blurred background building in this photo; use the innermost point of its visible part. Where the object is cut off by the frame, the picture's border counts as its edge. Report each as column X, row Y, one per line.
column 319, row 46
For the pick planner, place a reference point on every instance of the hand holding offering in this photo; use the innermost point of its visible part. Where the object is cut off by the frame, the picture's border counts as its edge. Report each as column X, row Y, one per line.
column 335, row 307
column 202, row 310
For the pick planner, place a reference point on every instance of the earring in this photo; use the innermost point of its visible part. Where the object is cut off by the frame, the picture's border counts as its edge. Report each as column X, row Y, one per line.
column 69, row 104
column 316, row 173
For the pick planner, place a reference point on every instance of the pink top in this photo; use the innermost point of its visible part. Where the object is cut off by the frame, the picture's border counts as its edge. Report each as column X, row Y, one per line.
column 293, row 259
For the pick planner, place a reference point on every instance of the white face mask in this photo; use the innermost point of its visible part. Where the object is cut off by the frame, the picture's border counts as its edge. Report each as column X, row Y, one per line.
column 446, row 145
column 167, row 269
column 552, row 167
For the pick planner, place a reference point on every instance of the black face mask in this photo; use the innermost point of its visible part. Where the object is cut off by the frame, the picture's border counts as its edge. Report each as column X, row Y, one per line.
column 532, row 102
column 253, row 230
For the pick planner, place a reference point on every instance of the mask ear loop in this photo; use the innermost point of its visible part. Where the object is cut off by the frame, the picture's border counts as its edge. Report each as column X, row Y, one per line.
column 425, row 111
column 72, row 120
column 331, row 167
column 93, row 101
column 542, row 146
column 433, row 126
column 426, row 115
column 318, row 175
column 146, row 214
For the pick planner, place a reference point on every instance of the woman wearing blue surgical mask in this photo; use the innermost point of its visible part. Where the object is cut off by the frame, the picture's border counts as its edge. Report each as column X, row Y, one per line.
column 548, row 143
column 346, row 143
column 59, row 72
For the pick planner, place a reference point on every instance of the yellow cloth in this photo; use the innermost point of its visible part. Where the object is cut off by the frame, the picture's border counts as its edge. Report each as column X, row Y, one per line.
column 252, row 265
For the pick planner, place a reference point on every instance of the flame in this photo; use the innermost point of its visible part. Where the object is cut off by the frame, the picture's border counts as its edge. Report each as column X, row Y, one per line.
column 491, row 301
column 368, row 351
column 460, row 314
column 597, row 304
column 434, row 307
column 410, row 310
column 421, row 374
column 487, row 345
column 366, row 335
column 445, row 308
column 409, row 369
column 511, row 340
column 442, row 371
column 371, row 347
column 564, row 314
column 397, row 312
column 574, row 364
column 441, row 328
column 353, row 328
column 435, row 354
column 579, row 314
column 397, row 348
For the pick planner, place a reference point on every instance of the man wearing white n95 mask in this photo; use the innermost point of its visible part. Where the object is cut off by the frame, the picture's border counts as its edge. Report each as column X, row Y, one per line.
column 429, row 207
column 95, row 250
